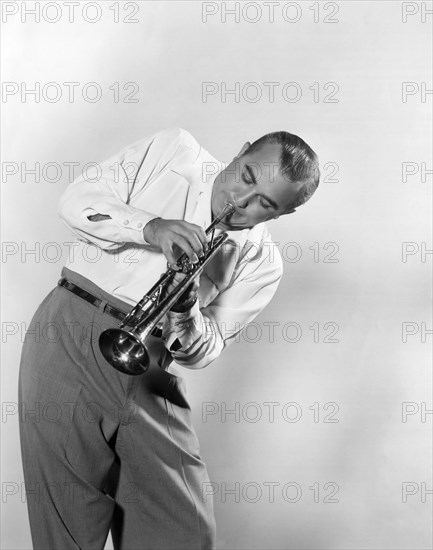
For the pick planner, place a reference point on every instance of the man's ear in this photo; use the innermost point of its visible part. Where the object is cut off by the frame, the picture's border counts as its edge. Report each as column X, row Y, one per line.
column 242, row 151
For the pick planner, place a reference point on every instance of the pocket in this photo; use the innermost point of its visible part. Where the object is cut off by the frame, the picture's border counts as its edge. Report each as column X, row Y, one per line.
column 101, row 322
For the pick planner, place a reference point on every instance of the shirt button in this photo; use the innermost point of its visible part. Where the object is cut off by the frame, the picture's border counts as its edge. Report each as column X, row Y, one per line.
column 139, row 225
column 125, row 222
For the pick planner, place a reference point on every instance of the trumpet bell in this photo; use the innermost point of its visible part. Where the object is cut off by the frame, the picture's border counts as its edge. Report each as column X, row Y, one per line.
column 124, row 351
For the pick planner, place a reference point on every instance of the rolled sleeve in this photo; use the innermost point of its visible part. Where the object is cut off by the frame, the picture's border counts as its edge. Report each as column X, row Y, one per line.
column 97, row 207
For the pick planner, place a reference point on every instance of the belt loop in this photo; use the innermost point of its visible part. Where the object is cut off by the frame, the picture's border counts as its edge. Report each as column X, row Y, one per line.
column 101, row 306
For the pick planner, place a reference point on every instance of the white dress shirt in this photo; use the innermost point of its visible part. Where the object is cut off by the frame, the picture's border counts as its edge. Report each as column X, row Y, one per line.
column 168, row 175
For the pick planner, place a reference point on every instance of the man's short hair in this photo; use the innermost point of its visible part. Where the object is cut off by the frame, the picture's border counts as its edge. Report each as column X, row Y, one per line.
column 298, row 163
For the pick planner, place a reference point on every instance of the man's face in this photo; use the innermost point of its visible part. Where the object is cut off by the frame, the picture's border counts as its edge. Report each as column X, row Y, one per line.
column 254, row 184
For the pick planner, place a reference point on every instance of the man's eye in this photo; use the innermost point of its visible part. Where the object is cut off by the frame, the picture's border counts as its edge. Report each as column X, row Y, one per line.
column 265, row 205
column 245, row 179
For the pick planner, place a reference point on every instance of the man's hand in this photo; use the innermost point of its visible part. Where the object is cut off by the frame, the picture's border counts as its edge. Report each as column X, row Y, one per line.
column 169, row 235
column 188, row 298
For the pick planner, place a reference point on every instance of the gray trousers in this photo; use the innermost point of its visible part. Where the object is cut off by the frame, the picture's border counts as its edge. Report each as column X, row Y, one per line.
column 101, row 449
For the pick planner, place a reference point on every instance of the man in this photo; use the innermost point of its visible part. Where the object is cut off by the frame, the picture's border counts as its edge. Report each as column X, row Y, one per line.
column 103, row 449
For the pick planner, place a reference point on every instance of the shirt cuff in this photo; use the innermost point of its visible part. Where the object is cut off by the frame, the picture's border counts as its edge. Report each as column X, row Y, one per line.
column 132, row 224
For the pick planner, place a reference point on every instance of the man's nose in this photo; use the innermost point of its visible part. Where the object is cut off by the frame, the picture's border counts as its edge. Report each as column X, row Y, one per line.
column 244, row 198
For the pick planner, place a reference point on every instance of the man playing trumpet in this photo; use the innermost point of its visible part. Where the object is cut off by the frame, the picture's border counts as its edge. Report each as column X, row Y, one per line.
column 123, row 454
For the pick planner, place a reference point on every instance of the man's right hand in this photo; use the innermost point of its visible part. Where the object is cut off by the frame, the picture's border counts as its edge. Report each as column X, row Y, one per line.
column 171, row 235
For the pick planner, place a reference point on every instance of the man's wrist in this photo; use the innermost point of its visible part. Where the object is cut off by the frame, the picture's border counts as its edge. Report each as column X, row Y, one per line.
column 148, row 230
column 183, row 307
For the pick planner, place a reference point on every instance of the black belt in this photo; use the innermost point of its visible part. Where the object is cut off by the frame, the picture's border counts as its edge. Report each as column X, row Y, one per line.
column 113, row 311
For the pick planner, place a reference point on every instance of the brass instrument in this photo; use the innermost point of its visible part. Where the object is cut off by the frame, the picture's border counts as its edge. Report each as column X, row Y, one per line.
column 124, row 348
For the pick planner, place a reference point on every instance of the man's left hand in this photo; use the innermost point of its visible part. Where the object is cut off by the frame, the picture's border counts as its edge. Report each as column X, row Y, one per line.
column 188, row 298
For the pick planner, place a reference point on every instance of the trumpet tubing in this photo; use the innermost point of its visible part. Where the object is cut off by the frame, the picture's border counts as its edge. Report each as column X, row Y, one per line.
column 124, row 348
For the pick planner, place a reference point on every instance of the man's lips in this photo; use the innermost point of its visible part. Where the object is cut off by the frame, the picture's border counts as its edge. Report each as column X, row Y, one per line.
column 226, row 221
column 227, row 224
column 235, row 212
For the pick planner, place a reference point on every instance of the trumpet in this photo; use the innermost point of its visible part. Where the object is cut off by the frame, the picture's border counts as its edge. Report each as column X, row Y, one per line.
column 125, row 348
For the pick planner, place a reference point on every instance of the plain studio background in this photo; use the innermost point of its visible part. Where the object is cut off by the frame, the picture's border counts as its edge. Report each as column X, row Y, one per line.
column 328, row 442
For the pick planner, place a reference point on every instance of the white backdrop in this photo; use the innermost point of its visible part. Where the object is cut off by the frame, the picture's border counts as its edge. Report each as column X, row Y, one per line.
column 329, row 442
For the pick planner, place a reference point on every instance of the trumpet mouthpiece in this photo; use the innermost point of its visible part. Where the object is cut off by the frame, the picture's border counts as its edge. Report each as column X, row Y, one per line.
column 228, row 209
